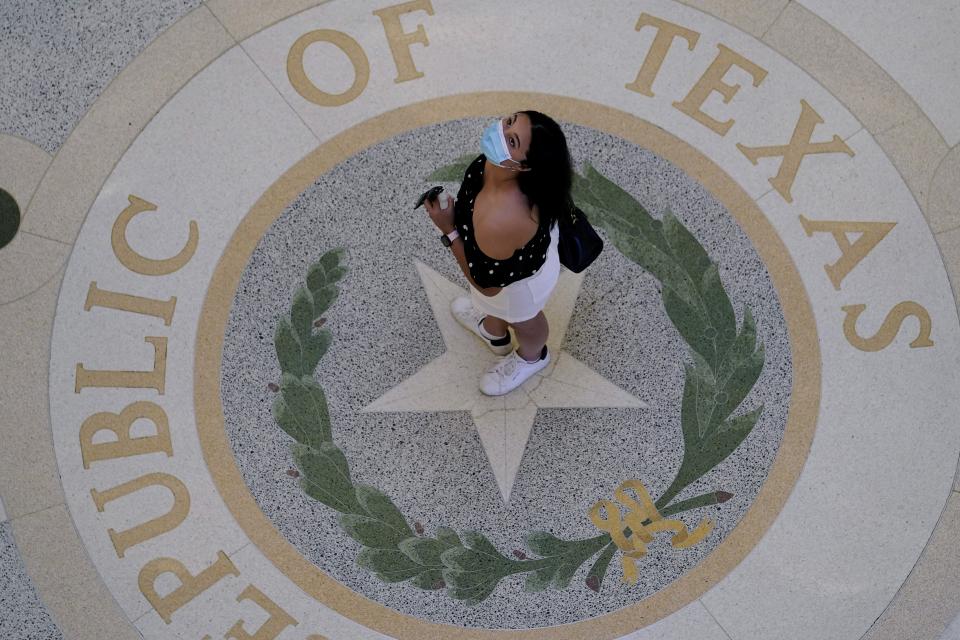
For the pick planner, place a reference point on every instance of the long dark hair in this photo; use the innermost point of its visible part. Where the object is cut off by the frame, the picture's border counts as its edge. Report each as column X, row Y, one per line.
column 549, row 180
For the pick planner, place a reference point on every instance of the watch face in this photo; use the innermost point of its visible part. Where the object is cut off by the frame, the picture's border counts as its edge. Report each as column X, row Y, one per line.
column 446, row 241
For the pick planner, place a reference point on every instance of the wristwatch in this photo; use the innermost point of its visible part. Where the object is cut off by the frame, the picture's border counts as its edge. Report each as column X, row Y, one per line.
column 448, row 238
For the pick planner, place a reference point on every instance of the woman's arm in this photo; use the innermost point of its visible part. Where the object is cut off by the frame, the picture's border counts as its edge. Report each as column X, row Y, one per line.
column 443, row 218
column 458, row 253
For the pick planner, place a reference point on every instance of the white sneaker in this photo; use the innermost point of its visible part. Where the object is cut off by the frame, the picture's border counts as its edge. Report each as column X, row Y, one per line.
column 511, row 372
column 470, row 317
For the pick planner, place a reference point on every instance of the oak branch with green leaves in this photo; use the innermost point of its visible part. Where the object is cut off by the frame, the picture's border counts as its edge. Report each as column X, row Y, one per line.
column 726, row 362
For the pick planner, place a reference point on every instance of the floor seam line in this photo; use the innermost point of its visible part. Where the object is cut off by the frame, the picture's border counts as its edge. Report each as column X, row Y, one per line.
column 61, row 268
column 242, row 547
column 271, row 83
column 895, row 600
column 220, row 22
column 775, row 20
column 862, row 128
column 933, row 176
column 53, row 156
column 140, row 617
column 40, row 235
column 947, row 230
column 764, row 194
column 111, row 85
column 856, row 46
column 899, row 123
column 22, row 138
column 86, row 555
column 206, row 3
column 11, row 519
column 714, row 618
column 856, row 112
column 120, row 157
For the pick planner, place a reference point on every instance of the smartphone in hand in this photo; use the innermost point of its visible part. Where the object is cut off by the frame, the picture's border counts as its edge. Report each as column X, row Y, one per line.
column 428, row 196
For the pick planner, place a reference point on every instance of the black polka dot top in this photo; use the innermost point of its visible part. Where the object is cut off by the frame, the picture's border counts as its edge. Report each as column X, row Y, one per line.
column 486, row 271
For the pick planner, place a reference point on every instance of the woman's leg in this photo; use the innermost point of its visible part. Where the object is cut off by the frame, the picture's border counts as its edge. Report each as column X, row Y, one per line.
column 532, row 335
column 495, row 326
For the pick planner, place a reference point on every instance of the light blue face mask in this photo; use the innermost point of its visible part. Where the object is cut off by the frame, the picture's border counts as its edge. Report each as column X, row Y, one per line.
column 493, row 144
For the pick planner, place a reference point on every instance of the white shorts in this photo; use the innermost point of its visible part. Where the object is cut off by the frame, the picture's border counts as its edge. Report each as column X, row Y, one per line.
column 523, row 299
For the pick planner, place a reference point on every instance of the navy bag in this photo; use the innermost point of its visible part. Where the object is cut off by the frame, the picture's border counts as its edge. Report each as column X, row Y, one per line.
column 579, row 243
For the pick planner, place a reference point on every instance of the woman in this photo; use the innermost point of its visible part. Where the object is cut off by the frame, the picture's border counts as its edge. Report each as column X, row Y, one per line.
column 503, row 232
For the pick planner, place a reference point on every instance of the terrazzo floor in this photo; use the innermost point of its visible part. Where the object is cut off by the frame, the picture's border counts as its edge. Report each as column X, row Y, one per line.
column 253, row 138
column 384, row 331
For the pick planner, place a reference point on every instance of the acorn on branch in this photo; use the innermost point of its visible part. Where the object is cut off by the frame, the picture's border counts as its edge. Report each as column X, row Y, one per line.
column 593, row 582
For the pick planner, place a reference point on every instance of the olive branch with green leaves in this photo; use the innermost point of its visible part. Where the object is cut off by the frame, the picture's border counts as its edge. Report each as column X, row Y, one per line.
column 726, row 363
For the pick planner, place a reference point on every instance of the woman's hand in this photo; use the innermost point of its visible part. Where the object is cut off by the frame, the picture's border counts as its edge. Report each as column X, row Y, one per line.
column 441, row 216
column 490, row 291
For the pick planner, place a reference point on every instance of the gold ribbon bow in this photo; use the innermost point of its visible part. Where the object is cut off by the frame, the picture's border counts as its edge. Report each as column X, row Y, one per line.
column 637, row 513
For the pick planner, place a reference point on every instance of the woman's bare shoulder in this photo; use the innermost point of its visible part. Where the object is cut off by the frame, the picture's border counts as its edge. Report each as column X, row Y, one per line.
column 508, row 228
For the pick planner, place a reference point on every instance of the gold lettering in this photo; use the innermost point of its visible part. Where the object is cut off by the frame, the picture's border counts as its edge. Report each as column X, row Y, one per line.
column 190, row 586
column 794, row 152
column 871, row 233
column 666, row 33
column 120, row 424
column 305, row 87
column 152, row 528
column 643, row 520
column 889, row 328
column 128, row 379
column 135, row 261
column 269, row 630
column 400, row 41
column 97, row 297
column 712, row 80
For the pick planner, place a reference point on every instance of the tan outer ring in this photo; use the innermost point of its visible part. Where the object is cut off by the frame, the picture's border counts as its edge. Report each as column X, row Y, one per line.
column 801, row 421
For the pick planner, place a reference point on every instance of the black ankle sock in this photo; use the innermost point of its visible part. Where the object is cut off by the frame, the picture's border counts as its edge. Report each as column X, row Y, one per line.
column 543, row 354
column 499, row 342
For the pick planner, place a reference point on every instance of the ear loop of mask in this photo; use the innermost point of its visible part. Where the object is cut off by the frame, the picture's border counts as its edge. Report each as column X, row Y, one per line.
column 519, row 166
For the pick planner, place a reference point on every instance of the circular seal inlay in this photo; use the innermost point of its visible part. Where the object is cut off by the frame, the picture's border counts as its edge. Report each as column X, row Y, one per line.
column 177, row 429
column 383, row 331
column 350, row 494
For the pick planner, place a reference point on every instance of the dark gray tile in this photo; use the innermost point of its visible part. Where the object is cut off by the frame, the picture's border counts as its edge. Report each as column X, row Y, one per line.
column 22, row 614
column 57, row 57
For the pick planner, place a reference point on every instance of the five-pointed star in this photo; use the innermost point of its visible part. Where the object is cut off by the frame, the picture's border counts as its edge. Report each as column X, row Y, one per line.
column 451, row 382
